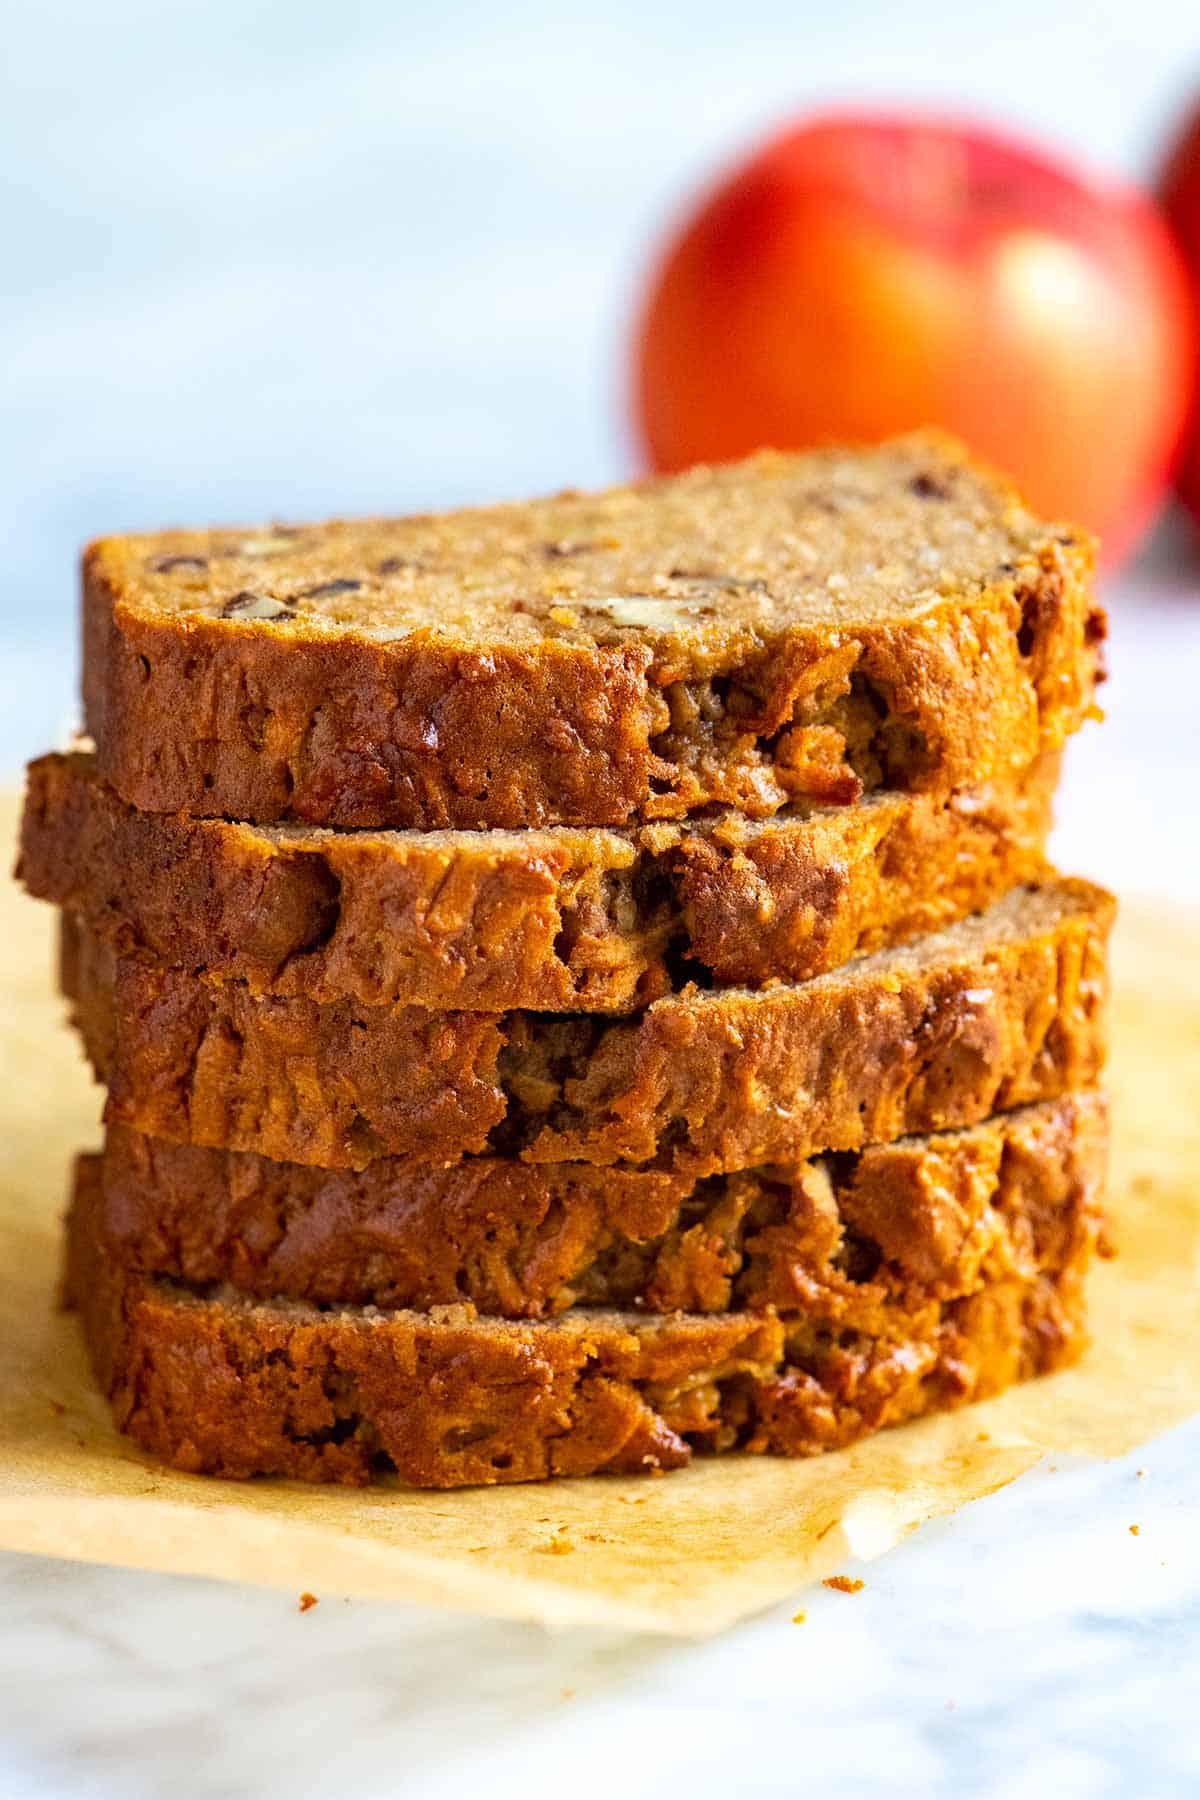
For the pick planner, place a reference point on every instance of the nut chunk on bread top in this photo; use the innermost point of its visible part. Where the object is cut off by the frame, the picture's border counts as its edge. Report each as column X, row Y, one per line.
column 783, row 629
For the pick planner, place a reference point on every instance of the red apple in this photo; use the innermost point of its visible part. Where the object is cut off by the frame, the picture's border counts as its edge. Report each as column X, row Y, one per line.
column 1180, row 190
column 865, row 274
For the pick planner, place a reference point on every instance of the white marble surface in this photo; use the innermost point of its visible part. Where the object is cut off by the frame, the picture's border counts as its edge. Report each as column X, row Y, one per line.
column 276, row 259
column 1030, row 1647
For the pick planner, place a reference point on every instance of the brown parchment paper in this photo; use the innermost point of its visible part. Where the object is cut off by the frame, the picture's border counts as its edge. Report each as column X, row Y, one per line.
column 686, row 1554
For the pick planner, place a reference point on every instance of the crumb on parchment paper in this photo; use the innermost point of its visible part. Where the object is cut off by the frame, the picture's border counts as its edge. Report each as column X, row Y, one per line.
column 844, row 1584
column 1135, row 1531
column 307, row 1602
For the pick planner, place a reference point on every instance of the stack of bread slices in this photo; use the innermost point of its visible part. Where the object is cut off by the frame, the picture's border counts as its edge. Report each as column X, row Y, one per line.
column 578, row 983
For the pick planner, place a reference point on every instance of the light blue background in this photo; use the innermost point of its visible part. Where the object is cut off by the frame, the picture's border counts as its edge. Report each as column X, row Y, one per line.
column 282, row 259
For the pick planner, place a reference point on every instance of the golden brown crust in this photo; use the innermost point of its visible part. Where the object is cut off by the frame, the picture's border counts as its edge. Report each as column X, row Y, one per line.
column 228, row 1387
column 563, row 919
column 848, row 1239
column 894, row 618
column 998, row 1011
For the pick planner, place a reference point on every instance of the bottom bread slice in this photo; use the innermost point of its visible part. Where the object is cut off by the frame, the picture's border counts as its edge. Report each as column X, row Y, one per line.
column 216, row 1383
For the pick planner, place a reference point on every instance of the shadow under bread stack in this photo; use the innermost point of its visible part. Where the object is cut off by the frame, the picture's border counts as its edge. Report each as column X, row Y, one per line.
column 578, row 983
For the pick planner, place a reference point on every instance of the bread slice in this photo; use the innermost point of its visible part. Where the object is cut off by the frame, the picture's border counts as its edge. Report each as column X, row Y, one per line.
column 1000, row 1010
column 563, row 919
column 791, row 627
column 216, row 1383
column 846, row 1238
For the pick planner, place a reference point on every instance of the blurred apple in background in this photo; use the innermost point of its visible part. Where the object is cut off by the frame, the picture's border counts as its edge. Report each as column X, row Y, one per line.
column 862, row 274
column 1180, row 190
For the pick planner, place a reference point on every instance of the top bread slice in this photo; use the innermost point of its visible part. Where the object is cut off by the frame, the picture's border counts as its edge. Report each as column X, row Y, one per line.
column 788, row 628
